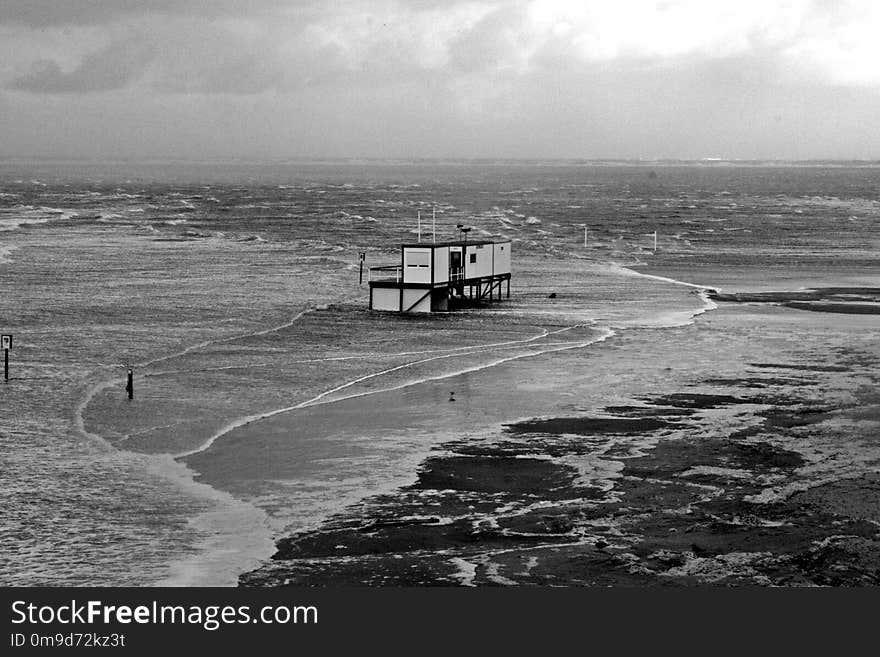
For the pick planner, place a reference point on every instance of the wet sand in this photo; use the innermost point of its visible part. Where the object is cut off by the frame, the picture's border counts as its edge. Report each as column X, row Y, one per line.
column 652, row 491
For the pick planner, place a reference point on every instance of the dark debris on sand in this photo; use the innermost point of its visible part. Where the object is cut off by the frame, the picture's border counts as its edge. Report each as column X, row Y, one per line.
column 684, row 507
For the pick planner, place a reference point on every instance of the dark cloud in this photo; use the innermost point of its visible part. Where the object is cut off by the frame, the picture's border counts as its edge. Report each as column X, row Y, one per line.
column 42, row 13
column 113, row 67
column 49, row 13
column 439, row 77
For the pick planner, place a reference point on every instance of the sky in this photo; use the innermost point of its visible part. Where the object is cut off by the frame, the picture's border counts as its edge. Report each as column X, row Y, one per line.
column 289, row 79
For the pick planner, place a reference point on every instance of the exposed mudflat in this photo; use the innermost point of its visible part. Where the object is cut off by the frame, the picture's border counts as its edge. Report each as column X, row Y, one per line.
column 676, row 501
column 843, row 300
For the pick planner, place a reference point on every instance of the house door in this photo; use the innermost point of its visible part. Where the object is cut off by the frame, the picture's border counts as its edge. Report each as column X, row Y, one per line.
column 456, row 272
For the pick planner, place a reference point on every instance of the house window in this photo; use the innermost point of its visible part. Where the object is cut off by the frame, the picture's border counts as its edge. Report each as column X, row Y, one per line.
column 418, row 259
column 473, row 258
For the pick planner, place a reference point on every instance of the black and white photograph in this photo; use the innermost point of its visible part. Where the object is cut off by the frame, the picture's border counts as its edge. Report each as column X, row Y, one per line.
column 440, row 294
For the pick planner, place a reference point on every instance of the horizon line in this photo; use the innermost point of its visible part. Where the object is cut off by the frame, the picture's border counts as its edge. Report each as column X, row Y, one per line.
column 353, row 160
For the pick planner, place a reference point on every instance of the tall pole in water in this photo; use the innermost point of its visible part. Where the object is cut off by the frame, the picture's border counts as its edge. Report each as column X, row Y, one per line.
column 655, row 240
column 6, row 341
column 420, row 225
column 434, row 224
column 585, row 235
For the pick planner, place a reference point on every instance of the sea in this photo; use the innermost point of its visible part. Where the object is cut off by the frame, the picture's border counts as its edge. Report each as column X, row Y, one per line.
column 267, row 396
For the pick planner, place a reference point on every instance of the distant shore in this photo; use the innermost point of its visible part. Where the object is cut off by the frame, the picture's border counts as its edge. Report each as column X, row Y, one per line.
column 441, row 161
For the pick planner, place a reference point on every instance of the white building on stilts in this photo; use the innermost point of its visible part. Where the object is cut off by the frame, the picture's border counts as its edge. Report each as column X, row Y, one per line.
column 439, row 276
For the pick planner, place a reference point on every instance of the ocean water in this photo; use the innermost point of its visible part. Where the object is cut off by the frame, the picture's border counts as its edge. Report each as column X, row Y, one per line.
column 268, row 397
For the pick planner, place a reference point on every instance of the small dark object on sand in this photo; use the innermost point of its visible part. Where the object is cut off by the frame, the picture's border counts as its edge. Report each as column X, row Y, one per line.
column 452, row 396
column 552, row 295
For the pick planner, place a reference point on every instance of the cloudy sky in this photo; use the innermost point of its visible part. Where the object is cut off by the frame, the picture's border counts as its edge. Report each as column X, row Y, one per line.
column 440, row 78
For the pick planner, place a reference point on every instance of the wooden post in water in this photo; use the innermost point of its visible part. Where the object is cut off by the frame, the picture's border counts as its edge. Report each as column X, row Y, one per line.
column 655, row 240
column 129, row 387
column 6, row 343
column 585, row 235
column 363, row 256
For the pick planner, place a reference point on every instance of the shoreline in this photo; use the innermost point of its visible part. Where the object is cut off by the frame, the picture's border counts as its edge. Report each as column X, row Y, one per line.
column 210, row 565
column 649, row 492
column 190, row 276
column 220, row 555
column 251, row 425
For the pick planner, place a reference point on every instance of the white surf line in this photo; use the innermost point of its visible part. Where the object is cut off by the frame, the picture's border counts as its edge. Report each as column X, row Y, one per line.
column 79, row 412
column 626, row 271
column 219, row 368
column 271, row 329
column 339, row 358
column 261, row 416
column 704, row 289
column 466, row 573
column 710, row 305
column 632, row 272
column 133, row 434
column 201, row 345
column 476, row 368
column 93, row 391
column 376, row 354
column 314, row 401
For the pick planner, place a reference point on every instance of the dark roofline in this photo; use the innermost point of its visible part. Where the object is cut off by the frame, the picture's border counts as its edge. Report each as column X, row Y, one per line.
column 428, row 245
